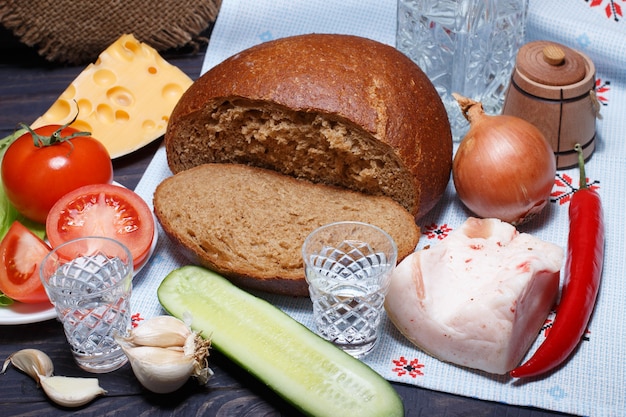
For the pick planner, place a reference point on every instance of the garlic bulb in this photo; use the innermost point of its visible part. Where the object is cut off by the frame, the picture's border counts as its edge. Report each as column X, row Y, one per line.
column 65, row 391
column 164, row 353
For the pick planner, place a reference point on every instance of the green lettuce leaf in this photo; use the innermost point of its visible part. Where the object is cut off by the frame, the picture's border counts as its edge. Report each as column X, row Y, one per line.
column 5, row 301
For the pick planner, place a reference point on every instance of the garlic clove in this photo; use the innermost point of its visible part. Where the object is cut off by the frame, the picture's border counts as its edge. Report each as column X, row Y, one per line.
column 65, row 391
column 160, row 331
column 71, row 391
column 189, row 347
column 33, row 362
column 159, row 370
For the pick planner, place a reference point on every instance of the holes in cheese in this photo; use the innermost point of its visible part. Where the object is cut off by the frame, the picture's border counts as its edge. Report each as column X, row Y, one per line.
column 104, row 114
column 59, row 110
column 84, row 107
column 121, row 116
column 124, row 99
column 172, row 92
column 104, row 77
column 121, row 96
column 148, row 125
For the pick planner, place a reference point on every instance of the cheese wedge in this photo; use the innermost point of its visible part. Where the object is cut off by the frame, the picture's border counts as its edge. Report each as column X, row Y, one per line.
column 124, row 99
column 479, row 298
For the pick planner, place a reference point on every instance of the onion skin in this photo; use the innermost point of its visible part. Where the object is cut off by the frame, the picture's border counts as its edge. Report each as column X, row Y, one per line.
column 504, row 167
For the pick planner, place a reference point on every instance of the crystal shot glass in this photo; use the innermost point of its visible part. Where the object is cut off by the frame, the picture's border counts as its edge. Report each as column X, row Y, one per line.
column 348, row 267
column 89, row 282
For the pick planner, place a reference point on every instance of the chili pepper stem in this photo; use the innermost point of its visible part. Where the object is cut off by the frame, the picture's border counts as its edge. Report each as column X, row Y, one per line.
column 581, row 166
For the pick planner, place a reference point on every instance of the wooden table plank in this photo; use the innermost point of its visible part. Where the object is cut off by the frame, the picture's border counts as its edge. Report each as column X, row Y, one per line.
column 28, row 86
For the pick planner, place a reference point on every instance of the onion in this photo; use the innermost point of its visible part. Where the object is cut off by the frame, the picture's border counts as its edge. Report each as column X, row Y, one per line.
column 504, row 167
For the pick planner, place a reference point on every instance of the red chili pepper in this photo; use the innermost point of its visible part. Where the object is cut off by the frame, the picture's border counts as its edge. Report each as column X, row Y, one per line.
column 583, row 270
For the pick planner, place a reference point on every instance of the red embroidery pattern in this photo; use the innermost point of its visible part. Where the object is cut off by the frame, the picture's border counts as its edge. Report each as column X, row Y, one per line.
column 612, row 8
column 440, row 232
column 135, row 319
column 602, row 87
column 547, row 326
column 404, row 367
column 564, row 188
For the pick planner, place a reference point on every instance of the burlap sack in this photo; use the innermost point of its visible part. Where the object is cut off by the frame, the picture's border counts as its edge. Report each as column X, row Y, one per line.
column 76, row 31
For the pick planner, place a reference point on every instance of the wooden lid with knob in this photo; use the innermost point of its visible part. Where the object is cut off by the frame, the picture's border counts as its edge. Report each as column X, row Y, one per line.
column 550, row 63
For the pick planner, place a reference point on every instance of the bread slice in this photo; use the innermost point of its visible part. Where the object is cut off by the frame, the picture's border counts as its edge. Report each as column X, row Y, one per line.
column 334, row 109
column 249, row 224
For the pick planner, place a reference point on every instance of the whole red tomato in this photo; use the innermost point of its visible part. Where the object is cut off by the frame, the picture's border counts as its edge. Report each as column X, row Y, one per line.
column 39, row 169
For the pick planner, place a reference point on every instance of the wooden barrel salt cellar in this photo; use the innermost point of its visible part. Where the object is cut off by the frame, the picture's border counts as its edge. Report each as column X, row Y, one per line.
column 553, row 87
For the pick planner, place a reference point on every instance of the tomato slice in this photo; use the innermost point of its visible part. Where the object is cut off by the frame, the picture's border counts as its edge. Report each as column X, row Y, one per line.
column 21, row 252
column 103, row 210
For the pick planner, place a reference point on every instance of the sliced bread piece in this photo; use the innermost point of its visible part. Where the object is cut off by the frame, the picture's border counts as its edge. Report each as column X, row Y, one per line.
column 249, row 224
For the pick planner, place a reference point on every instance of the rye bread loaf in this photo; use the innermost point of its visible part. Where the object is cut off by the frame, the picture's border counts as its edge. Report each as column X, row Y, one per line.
column 334, row 109
column 249, row 223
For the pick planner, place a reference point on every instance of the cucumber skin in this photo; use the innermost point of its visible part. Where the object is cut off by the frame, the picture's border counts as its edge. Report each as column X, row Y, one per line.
column 188, row 290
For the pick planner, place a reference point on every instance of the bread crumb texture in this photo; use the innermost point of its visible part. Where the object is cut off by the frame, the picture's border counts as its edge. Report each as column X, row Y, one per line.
column 249, row 223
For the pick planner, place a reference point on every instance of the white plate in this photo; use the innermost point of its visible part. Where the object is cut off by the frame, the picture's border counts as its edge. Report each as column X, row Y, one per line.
column 22, row 313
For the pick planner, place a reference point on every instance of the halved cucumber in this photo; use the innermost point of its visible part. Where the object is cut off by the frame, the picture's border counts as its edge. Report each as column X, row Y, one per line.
column 304, row 369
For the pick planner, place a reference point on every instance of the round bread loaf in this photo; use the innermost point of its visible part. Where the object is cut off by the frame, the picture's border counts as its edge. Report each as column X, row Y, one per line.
column 334, row 109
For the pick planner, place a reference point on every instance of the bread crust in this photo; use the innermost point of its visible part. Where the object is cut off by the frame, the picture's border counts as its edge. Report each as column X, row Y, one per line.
column 371, row 87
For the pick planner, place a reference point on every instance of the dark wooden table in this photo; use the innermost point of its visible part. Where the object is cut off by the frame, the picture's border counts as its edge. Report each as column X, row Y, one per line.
column 28, row 85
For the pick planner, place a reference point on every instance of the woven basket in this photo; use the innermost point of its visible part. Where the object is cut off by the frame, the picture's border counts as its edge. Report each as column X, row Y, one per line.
column 76, row 31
